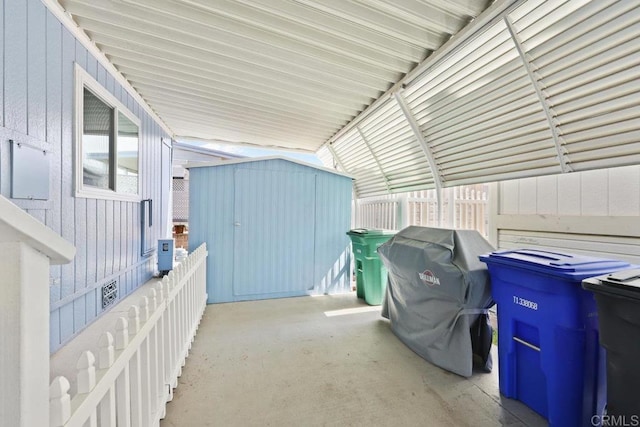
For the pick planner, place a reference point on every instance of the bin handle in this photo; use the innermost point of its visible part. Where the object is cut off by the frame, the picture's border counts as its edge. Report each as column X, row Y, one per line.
column 542, row 254
column 625, row 275
column 523, row 342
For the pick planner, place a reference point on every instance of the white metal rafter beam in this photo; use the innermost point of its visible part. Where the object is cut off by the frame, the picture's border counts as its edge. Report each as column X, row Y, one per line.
column 375, row 158
column 562, row 158
column 336, row 158
column 437, row 178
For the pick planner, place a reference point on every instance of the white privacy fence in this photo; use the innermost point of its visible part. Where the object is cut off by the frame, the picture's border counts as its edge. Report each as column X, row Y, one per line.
column 463, row 207
column 133, row 376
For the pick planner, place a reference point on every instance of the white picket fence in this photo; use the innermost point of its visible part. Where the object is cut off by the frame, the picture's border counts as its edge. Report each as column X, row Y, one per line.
column 463, row 207
column 138, row 367
column 381, row 212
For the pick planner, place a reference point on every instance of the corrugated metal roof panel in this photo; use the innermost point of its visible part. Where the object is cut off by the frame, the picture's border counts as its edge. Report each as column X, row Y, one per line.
column 291, row 63
column 529, row 87
column 551, row 85
column 590, row 75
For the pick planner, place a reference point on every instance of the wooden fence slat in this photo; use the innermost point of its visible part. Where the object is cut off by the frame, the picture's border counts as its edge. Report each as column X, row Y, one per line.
column 107, row 414
column 135, row 377
column 135, row 381
column 123, row 399
column 86, row 372
column 59, row 402
column 155, row 383
column 134, row 320
column 122, row 333
column 106, row 352
column 145, row 383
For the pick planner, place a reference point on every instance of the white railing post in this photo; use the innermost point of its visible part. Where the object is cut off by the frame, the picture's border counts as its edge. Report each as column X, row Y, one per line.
column 28, row 248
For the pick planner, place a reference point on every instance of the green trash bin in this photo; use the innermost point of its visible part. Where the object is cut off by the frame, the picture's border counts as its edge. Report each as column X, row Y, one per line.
column 371, row 274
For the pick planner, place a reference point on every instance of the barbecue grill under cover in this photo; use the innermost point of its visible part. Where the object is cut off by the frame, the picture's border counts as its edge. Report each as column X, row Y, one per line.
column 438, row 293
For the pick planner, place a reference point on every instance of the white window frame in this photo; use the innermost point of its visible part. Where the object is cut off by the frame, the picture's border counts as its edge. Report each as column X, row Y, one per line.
column 85, row 80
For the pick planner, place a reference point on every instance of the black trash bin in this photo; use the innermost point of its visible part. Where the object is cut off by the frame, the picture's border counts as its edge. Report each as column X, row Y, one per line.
column 618, row 299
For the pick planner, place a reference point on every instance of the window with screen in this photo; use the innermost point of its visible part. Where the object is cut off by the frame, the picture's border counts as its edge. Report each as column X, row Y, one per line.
column 107, row 143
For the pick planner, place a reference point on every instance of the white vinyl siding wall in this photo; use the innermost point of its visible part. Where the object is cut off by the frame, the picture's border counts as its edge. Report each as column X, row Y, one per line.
column 592, row 213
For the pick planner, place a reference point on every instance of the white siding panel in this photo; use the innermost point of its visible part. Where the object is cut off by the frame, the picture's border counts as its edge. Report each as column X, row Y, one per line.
column 569, row 191
column 509, row 197
column 547, row 195
column 593, row 213
column 527, row 197
column 624, row 191
column 594, row 193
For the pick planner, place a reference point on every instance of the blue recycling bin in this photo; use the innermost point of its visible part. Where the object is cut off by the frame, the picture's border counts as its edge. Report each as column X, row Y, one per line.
column 548, row 352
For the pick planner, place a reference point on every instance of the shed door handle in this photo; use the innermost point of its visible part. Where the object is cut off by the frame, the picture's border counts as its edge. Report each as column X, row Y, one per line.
column 237, row 224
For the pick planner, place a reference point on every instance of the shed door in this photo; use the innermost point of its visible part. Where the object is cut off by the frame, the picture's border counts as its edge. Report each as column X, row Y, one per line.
column 273, row 233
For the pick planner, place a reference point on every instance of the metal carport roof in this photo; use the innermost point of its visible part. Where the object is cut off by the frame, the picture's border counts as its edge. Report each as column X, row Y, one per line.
column 523, row 88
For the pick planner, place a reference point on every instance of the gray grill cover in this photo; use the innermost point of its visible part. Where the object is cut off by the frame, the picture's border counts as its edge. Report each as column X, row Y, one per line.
column 437, row 289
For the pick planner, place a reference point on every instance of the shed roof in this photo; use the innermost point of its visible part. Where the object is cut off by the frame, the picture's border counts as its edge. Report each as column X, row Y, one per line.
column 205, row 151
column 262, row 159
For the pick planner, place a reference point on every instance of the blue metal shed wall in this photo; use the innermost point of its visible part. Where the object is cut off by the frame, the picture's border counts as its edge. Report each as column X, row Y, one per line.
column 332, row 246
column 37, row 55
column 211, row 218
column 212, row 194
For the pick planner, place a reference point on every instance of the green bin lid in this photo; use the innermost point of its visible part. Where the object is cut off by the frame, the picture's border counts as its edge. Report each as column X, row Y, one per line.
column 369, row 231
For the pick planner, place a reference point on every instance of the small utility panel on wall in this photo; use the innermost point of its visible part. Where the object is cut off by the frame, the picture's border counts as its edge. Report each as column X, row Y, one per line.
column 29, row 172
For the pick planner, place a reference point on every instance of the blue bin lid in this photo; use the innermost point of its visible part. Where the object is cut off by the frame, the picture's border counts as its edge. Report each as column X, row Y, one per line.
column 567, row 266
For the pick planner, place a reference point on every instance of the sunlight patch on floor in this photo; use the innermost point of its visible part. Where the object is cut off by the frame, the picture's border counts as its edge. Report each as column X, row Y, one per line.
column 356, row 310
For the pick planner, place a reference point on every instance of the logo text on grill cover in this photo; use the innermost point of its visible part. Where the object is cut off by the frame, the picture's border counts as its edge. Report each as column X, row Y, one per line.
column 429, row 278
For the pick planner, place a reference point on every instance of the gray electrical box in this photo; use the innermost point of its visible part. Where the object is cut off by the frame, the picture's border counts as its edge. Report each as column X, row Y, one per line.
column 165, row 255
column 29, row 172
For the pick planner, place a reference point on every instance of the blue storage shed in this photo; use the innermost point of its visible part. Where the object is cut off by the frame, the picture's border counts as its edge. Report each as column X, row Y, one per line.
column 274, row 228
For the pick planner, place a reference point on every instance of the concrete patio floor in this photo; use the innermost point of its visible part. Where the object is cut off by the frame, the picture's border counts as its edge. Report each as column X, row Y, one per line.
column 290, row 362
